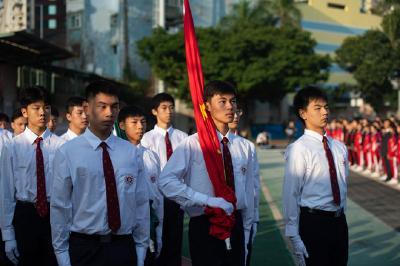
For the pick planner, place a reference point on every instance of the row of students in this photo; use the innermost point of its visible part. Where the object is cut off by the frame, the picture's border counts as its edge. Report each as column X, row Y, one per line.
column 91, row 198
column 373, row 146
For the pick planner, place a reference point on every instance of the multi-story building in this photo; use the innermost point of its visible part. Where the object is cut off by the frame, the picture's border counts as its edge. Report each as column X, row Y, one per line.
column 332, row 21
column 103, row 35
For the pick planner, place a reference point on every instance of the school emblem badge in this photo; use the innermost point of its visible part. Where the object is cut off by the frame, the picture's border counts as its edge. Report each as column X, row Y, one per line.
column 243, row 169
column 129, row 180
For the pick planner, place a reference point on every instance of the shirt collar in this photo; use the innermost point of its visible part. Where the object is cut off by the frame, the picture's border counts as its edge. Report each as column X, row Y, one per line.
column 94, row 141
column 71, row 133
column 32, row 136
column 228, row 135
column 314, row 134
column 163, row 131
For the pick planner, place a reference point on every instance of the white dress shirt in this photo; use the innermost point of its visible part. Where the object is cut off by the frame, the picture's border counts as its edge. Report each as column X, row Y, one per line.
column 7, row 133
column 79, row 202
column 185, row 178
column 152, row 172
column 67, row 136
column 155, row 141
column 18, row 173
column 306, row 181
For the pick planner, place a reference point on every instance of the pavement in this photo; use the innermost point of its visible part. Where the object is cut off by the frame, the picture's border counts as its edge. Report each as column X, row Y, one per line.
column 373, row 213
column 373, row 216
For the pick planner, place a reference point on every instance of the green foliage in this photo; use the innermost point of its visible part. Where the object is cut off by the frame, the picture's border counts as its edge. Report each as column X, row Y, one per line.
column 247, row 49
column 370, row 58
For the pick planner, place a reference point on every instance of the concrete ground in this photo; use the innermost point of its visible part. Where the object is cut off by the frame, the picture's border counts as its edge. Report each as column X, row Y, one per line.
column 373, row 216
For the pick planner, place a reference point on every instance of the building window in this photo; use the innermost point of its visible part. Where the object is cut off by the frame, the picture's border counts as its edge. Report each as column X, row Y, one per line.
column 114, row 20
column 52, row 23
column 75, row 21
column 336, row 6
column 52, row 9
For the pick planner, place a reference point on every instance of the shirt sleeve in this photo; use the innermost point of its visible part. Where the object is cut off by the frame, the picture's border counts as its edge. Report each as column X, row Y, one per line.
column 295, row 170
column 171, row 181
column 7, row 192
column 257, row 184
column 61, row 207
column 141, row 232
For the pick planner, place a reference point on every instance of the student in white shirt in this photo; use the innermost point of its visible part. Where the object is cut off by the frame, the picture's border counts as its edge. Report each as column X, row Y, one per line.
column 4, row 125
column 100, row 209
column 53, row 121
column 25, row 184
column 76, row 116
column 163, row 139
column 255, row 194
column 18, row 122
column 3, row 258
column 186, row 181
column 132, row 120
column 314, row 187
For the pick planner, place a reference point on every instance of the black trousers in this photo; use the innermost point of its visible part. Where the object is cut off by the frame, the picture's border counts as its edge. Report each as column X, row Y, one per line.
column 325, row 238
column 33, row 236
column 387, row 167
column 171, row 251
column 89, row 250
column 206, row 250
column 249, row 248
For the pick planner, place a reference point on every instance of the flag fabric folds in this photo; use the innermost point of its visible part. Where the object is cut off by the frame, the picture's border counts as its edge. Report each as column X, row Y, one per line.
column 221, row 223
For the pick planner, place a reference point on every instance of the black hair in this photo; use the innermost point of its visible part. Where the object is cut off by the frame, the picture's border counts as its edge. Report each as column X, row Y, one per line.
column 130, row 111
column 216, row 87
column 305, row 96
column 161, row 97
column 101, row 86
column 54, row 111
column 4, row 117
column 34, row 94
column 72, row 102
column 16, row 114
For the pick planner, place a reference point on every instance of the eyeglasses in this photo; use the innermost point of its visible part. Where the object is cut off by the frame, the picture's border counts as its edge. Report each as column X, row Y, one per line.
column 239, row 112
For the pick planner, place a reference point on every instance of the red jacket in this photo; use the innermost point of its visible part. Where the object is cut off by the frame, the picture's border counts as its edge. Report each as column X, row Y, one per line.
column 375, row 143
column 358, row 141
column 392, row 147
column 367, row 143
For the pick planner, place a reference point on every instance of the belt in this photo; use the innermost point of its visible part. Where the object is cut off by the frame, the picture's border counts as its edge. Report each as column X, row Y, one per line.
column 27, row 203
column 334, row 214
column 101, row 238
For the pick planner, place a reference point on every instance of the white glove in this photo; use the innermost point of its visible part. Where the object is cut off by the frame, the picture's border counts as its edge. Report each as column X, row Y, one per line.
column 246, row 242
column 254, row 227
column 12, row 251
column 63, row 259
column 159, row 239
column 220, row 203
column 141, row 255
column 299, row 249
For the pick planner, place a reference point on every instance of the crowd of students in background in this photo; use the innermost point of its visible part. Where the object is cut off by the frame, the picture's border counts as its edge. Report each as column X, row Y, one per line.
column 373, row 146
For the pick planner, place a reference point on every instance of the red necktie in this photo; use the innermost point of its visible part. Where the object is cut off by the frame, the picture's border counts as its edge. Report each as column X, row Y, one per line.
column 332, row 173
column 114, row 219
column 229, row 176
column 41, row 198
column 168, row 146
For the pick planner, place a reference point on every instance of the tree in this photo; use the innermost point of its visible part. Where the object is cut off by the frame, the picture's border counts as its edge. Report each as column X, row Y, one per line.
column 286, row 12
column 370, row 59
column 264, row 62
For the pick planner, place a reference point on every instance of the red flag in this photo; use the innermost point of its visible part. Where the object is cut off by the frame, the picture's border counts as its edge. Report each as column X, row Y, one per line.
column 221, row 223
